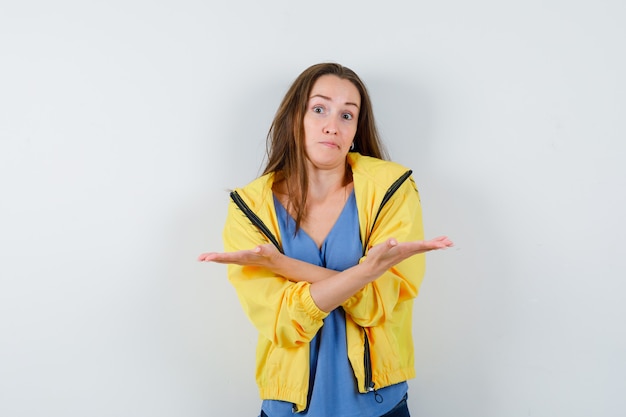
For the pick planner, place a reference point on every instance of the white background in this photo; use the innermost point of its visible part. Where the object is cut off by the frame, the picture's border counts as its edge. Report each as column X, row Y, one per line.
column 124, row 123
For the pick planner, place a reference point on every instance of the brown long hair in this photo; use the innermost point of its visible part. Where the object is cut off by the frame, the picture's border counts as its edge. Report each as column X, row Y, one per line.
column 286, row 156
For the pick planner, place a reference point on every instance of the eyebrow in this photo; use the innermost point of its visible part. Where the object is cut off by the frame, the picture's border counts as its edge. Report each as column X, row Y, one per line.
column 329, row 99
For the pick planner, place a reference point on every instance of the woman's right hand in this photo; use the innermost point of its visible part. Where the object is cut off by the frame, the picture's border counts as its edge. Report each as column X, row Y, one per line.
column 266, row 256
column 391, row 252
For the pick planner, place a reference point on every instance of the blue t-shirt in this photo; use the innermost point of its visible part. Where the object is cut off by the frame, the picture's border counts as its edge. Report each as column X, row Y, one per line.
column 332, row 385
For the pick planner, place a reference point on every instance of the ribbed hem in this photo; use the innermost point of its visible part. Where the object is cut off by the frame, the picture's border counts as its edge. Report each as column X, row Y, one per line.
column 311, row 309
column 384, row 379
column 297, row 397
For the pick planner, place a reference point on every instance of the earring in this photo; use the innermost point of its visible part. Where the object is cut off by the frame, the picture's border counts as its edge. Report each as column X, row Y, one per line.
column 352, row 146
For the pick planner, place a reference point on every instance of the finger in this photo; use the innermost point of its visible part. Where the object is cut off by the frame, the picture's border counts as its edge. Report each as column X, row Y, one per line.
column 441, row 241
column 443, row 244
column 204, row 256
column 445, row 241
column 213, row 257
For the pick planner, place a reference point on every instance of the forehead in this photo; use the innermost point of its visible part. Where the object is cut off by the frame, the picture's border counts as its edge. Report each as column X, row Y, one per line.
column 336, row 89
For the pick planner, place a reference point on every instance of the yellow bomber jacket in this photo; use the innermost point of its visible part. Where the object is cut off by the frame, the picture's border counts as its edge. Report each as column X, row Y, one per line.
column 378, row 317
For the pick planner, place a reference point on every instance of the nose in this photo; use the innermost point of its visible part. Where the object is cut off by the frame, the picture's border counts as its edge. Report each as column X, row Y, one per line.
column 330, row 128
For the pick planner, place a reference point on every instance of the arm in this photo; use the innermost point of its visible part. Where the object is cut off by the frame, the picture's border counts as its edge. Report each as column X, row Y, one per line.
column 281, row 310
column 343, row 286
column 261, row 277
column 329, row 288
column 402, row 219
column 267, row 256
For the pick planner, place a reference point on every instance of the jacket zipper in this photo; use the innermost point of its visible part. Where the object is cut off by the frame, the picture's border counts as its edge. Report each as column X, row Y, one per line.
column 367, row 359
column 254, row 219
column 388, row 194
column 367, row 363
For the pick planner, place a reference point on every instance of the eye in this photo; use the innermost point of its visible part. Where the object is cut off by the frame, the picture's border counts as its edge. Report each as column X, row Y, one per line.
column 347, row 116
column 318, row 109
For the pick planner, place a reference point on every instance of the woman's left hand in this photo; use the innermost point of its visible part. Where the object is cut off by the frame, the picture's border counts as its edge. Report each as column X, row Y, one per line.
column 263, row 255
column 391, row 252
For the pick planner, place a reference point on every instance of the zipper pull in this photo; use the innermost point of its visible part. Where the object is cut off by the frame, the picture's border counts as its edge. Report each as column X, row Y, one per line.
column 377, row 397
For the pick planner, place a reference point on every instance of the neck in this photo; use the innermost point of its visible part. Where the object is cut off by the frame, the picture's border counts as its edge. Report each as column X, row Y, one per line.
column 323, row 183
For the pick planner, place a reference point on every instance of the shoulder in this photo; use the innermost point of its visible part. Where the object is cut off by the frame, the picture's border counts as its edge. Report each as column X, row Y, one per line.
column 257, row 192
column 374, row 170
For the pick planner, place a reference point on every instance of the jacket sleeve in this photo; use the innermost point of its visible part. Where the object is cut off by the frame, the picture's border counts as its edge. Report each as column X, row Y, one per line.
column 401, row 219
column 281, row 310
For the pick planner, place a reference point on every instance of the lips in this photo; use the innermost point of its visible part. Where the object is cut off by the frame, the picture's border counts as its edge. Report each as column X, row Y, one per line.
column 329, row 144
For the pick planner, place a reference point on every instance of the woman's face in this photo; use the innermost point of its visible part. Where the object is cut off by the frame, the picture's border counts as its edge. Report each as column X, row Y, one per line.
column 330, row 121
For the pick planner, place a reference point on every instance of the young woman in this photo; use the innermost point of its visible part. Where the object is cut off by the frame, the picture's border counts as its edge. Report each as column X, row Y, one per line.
column 325, row 251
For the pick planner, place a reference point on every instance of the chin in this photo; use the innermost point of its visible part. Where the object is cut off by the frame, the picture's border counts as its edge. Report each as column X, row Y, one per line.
column 328, row 163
